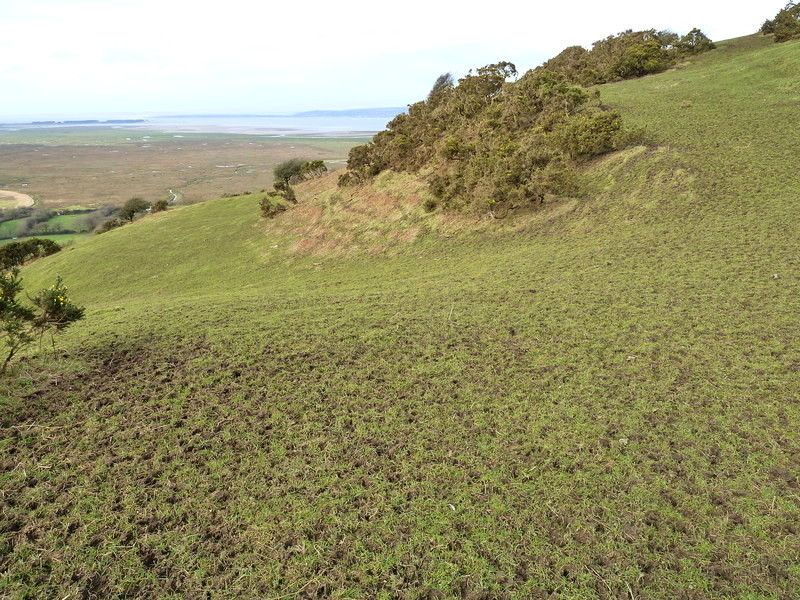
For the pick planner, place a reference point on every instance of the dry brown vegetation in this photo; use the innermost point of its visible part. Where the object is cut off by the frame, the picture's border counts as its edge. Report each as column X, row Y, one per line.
column 385, row 217
column 196, row 168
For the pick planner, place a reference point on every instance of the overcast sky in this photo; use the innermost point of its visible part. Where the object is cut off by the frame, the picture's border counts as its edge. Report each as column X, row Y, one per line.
column 113, row 57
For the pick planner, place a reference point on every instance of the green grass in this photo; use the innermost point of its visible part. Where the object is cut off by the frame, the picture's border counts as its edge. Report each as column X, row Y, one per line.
column 598, row 401
column 70, row 222
column 8, row 229
column 64, row 239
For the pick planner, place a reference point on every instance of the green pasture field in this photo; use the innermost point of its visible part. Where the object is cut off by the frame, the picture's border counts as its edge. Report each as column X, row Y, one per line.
column 8, row 229
column 71, row 221
column 595, row 401
column 63, row 239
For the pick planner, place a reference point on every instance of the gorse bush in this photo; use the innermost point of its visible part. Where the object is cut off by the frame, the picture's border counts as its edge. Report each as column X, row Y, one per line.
column 287, row 173
column 490, row 142
column 487, row 142
column 785, row 25
column 16, row 254
column 52, row 312
column 110, row 224
column 272, row 204
column 626, row 55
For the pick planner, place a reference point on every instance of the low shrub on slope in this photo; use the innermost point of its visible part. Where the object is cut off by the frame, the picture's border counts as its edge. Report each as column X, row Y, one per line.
column 488, row 143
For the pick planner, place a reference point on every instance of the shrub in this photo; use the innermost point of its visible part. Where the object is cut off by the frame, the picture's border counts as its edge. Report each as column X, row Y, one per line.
column 626, row 55
column 285, row 191
column 159, row 206
column 272, row 204
column 20, row 325
column 488, row 142
column 309, row 170
column 695, row 42
column 786, row 24
column 109, row 225
column 347, row 179
column 592, row 133
column 287, row 169
column 133, row 207
column 288, row 172
column 16, row 254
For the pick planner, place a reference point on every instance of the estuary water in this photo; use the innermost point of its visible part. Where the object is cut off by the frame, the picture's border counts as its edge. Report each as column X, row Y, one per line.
column 270, row 125
column 289, row 126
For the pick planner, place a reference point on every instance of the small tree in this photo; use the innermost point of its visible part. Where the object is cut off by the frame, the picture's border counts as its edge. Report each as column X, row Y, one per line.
column 287, row 169
column 289, row 172
column 20, row 325
column 159, row 206
column 132, row 207
column 695, row 42
column 309, row 170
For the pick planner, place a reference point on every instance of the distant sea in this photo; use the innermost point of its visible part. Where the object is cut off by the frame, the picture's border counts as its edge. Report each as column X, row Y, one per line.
column 311, row 125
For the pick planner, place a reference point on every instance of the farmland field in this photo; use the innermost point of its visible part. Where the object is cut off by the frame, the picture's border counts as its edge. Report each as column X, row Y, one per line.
column 63, row 239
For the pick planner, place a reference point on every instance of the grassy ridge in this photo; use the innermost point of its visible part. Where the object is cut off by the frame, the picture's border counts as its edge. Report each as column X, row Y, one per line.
column 597, row 401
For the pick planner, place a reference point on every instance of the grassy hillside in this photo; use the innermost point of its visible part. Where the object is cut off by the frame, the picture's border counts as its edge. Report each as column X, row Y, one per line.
column 363, row 400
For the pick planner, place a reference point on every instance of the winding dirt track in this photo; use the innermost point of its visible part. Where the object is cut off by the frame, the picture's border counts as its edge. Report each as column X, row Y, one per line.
column 22, row 199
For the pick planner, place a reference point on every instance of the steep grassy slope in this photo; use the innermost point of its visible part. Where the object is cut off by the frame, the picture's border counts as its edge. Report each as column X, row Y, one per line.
column 599, row 400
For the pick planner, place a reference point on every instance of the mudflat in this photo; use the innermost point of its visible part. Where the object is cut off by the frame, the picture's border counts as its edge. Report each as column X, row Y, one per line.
column 91, row 172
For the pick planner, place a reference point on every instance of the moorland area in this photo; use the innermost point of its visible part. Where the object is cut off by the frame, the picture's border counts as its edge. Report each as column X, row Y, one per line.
column 73, row 172
column 402, row 388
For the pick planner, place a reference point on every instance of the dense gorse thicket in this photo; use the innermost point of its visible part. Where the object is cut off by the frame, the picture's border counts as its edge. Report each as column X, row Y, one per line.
column 627, row 55
column 785, row 25
column 493, row 142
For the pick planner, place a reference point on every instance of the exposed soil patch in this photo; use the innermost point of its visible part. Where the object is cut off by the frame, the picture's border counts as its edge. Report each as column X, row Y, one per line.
column 19, row 198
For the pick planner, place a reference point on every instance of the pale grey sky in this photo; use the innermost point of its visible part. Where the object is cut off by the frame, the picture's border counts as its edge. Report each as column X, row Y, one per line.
column 106, row 58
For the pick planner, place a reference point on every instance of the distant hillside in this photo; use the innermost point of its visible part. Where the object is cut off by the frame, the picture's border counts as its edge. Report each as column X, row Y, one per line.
column 595, row 397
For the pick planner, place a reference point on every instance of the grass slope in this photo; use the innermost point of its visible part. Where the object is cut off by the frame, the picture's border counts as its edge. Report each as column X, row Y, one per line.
column 596, row 401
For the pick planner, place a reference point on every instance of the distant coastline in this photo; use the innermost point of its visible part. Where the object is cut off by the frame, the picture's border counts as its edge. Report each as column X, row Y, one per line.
column 77, row 122
column 389, row 112
column 351, row 123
